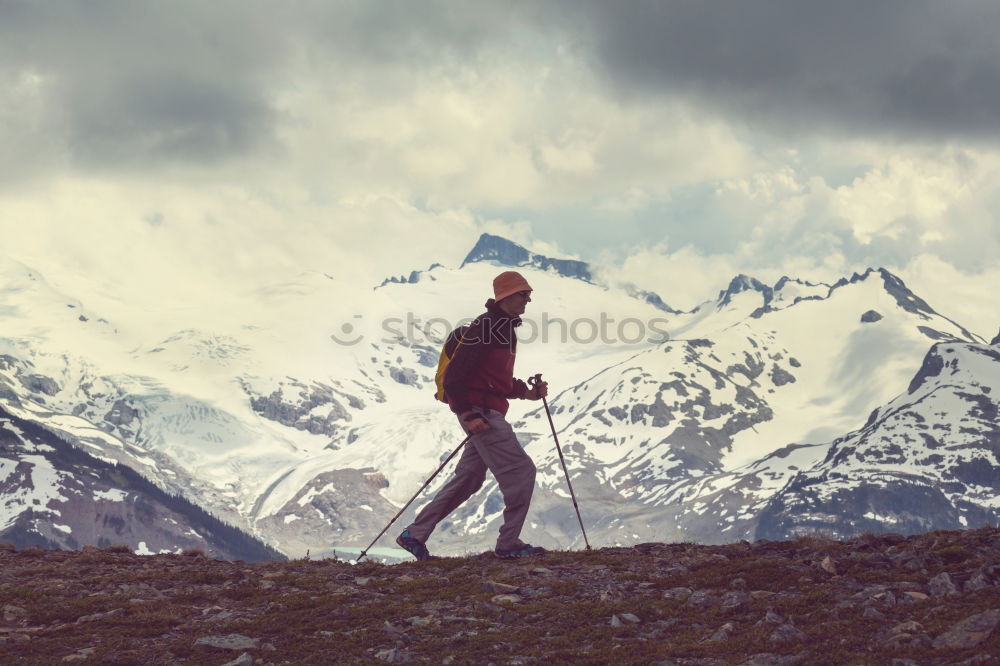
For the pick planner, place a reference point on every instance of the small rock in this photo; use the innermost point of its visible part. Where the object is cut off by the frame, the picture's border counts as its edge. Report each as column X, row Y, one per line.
column 970, row 632
column 976, row 583
column 393, row 656
column 735, row 602
column 266, row 584
column 886, row 598
column 702, row 599
column 538, row 571
column 221, row 616
column 14, row 613
column 80, row 655
column 769, row 659
column 229, row 642
column 770, row 618
column 828, row 566
column 243, row 660
column 622, row 619
column 499, row 588
column 912, row 595
column 786, row 633
column 873, row 614
column 907, row 639
column 506, row 599
column 942, row 586
column 458, row 618
column 910, row 627
column 100, row 616
column 738, row 584
column 418, row 621
column 722, row 634
column 362, row 581
column 677, row 593
column 978, row 659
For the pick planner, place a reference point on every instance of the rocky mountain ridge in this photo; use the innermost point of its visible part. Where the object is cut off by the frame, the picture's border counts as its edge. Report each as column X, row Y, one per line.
column 925, row 600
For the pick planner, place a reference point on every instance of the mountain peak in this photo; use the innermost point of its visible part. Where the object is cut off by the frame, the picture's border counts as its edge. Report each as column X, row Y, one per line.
column 509, row 253
column 896, row 288
column 910, row 302
column 742, row 283
column 414, row 277
column 499, row 249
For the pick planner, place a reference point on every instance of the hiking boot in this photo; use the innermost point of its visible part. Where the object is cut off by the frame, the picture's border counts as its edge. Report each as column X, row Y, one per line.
column 521, row 551
column 413, row 546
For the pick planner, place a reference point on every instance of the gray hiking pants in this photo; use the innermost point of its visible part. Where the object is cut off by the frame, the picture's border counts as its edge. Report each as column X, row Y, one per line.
column 498, row 451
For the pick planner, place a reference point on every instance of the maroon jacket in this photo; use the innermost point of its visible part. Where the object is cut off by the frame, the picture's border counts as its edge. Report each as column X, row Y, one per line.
column 481, row 371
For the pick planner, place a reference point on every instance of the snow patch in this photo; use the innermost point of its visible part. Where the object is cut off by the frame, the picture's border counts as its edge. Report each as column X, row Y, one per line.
column 112, row 495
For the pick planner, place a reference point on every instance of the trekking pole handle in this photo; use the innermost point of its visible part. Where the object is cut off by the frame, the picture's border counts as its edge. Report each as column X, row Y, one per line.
column 534, row 380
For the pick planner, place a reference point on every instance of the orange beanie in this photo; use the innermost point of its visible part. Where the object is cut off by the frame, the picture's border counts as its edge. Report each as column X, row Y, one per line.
column 507, row 284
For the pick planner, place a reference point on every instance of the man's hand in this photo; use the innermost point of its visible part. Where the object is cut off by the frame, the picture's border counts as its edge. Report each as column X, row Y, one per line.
column 538, row 391
column 475, row 423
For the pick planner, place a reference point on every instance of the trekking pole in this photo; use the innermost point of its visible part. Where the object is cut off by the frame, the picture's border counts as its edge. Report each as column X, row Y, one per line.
column 364, row 552
column 533, row 381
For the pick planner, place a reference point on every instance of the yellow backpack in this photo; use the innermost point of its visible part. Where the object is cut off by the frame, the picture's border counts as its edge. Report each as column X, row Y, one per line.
column 448, row 350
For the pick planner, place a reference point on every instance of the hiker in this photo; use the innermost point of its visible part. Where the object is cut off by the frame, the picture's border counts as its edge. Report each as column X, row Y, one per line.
column 478, row 382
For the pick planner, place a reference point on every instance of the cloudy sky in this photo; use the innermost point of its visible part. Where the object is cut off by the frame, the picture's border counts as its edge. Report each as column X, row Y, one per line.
column 181, row 149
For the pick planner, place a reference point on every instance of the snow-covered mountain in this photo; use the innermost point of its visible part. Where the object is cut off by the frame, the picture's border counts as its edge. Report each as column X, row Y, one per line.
column 928, row 459
column 303, row 411
column 55, row 495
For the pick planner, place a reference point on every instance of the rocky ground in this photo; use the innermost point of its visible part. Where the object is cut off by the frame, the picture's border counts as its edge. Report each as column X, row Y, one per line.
column 875, row 599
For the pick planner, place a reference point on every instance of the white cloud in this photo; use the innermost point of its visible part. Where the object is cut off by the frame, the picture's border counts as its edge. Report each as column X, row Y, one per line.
column 968, row 298
column 186, row 158
column 682, row 278
column 506, row 133
column 211, row 243
column 903, row 189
